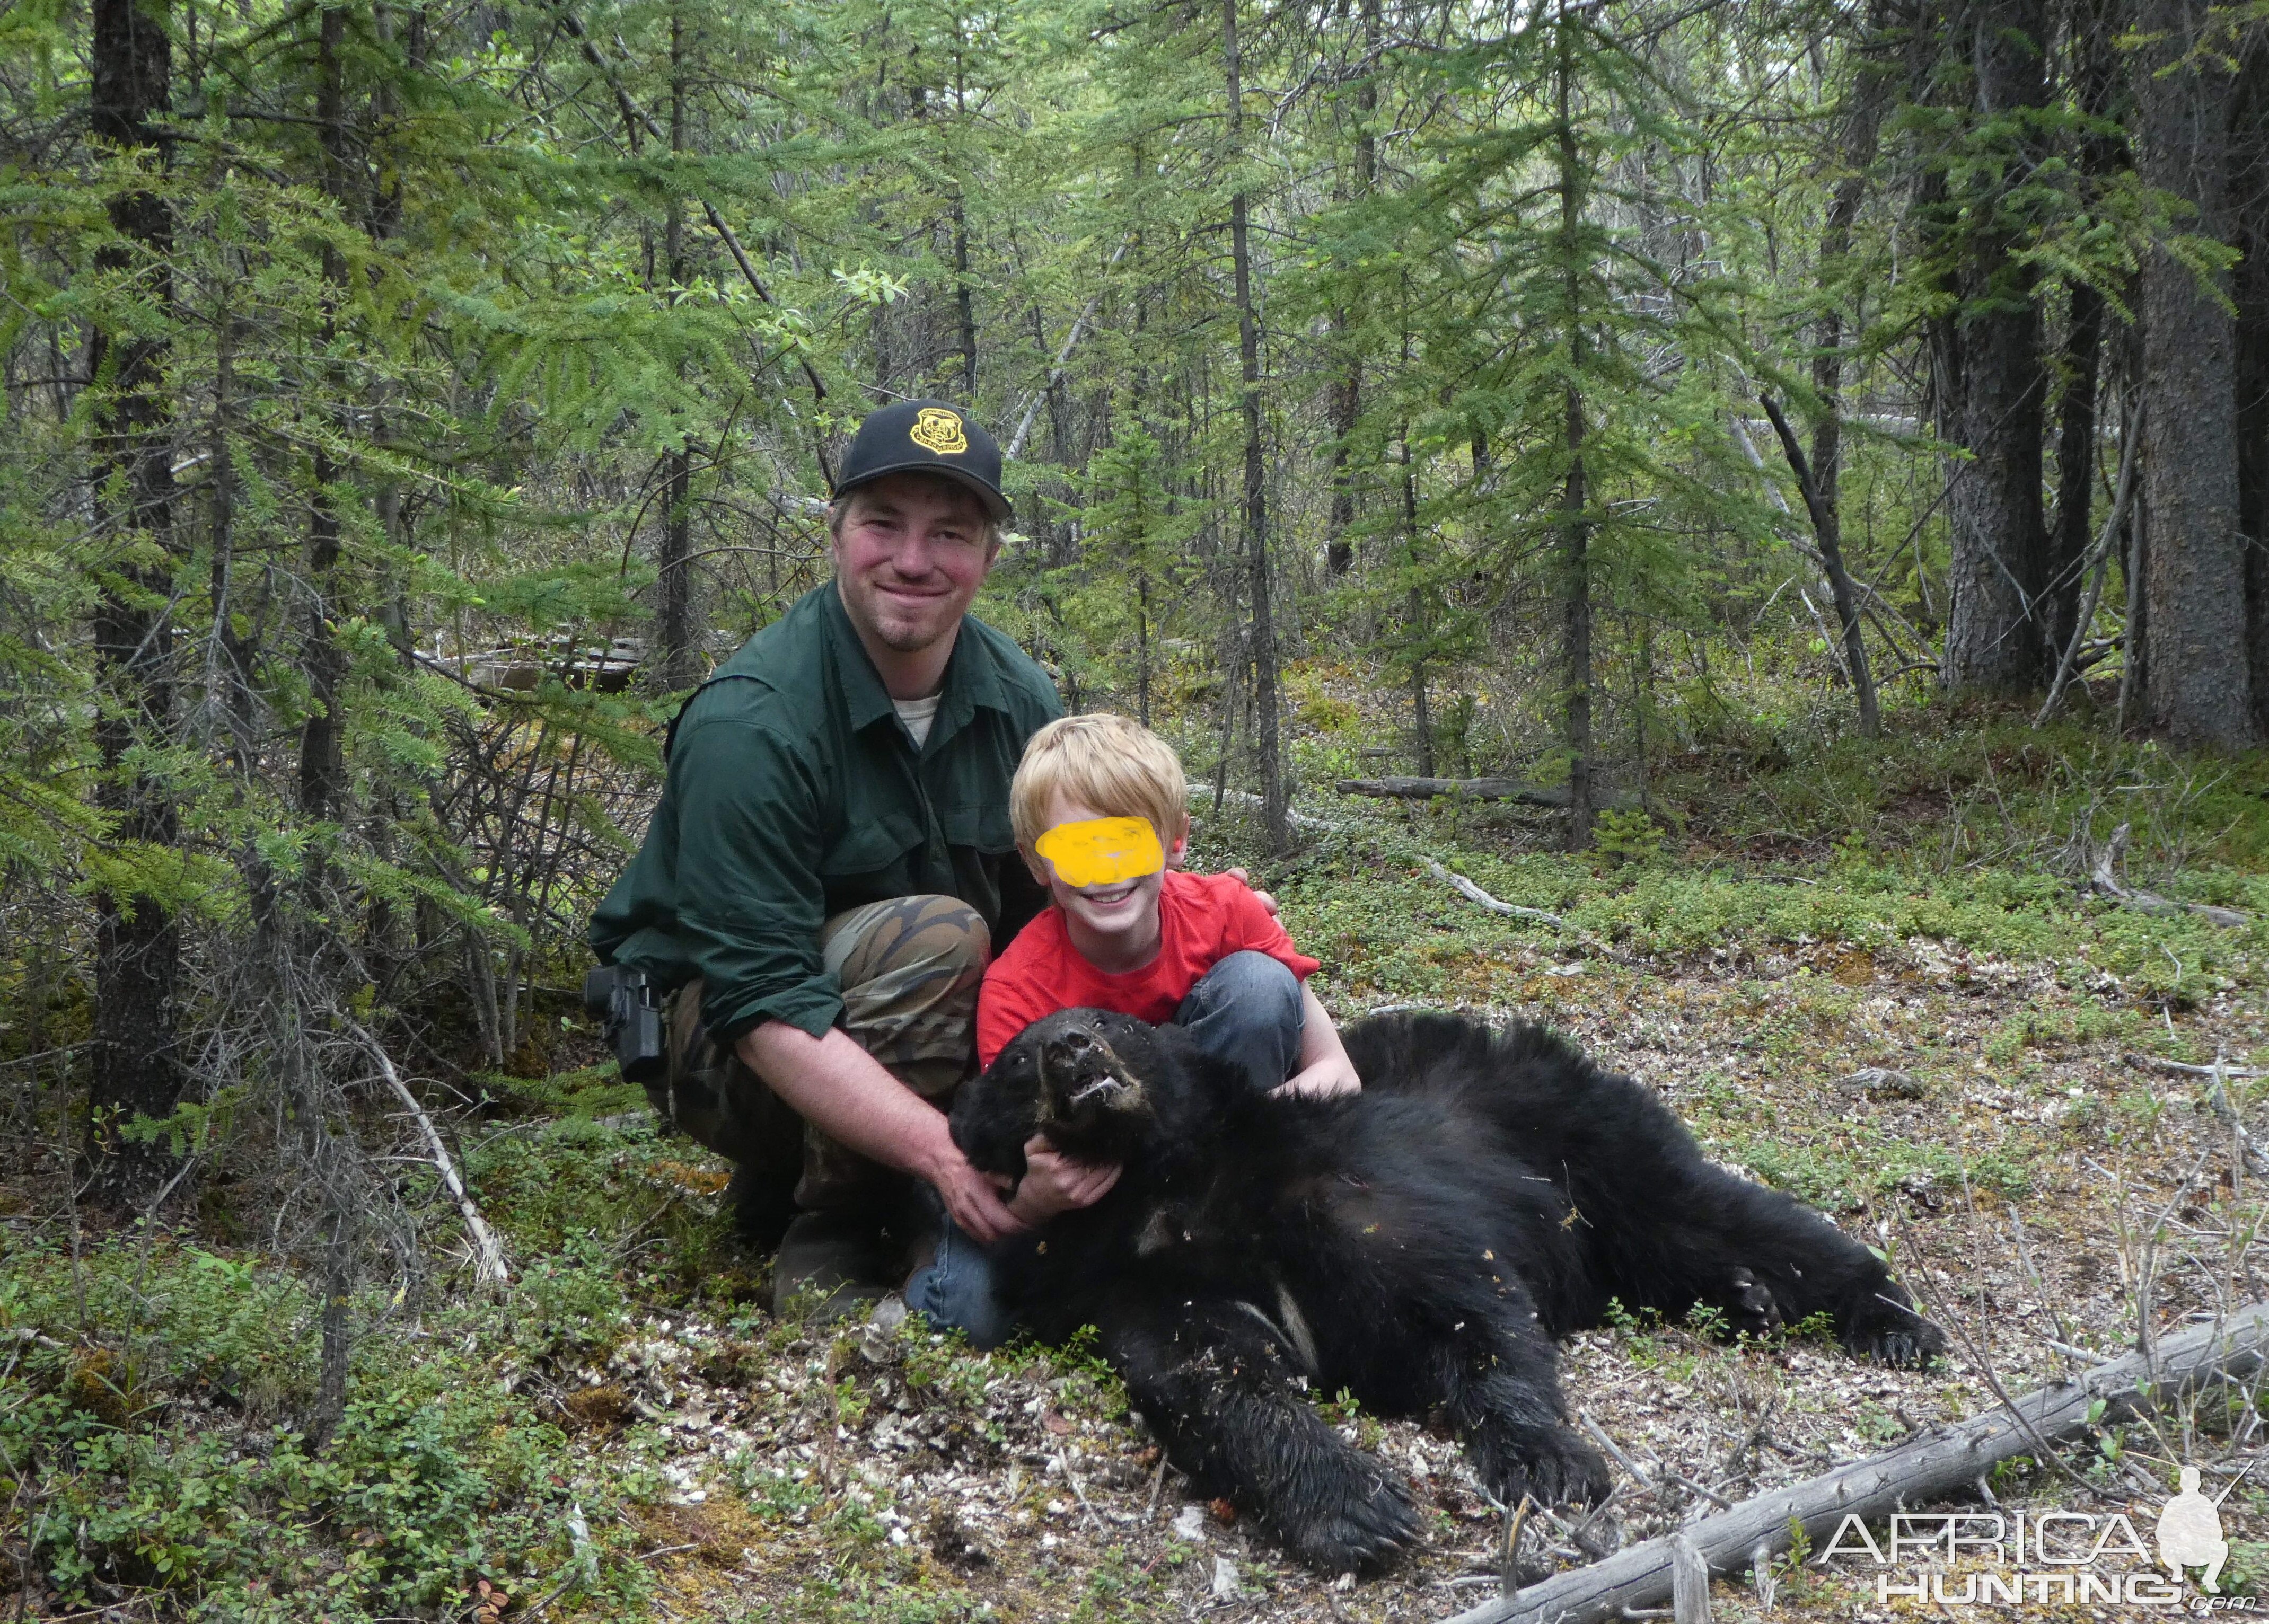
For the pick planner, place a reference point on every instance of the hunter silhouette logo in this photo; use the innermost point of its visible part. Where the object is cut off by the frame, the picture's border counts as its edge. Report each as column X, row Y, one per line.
column 937, row 429
column 2190, row 1533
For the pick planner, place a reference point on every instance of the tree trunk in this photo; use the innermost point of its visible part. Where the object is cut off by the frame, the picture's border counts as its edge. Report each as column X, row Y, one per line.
column 323, row 746
column 674, row 627
column 1422, row 719
column 1825, row 527
column 2075, row 463
column 137, row 946
column 2136, row 639
column 2251, row 168
column 1143, row 647
column 965, row 299
column 1346, row 403
column 2095, row 25
column 1991, row 387
column 1574, row 529
column 2198, row 686
column 1872, row 83
column 964, row 290
column 1265, row 730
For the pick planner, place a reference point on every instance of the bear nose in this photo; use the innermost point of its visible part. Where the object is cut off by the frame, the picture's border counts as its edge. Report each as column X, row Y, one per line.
column 1072, row 1046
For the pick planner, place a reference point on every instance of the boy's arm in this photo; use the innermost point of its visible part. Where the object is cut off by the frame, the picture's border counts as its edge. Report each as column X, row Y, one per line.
column 1324, row 1069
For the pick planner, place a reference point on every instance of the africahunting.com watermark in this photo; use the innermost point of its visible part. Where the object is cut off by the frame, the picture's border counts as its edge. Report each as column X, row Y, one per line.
column 2035, row 1557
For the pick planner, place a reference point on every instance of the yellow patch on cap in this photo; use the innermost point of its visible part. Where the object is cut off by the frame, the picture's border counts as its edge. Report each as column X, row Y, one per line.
column 1102, row 851
column 938, row 429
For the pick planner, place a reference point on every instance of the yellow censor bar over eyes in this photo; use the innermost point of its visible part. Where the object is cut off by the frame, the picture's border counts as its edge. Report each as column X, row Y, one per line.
column 1102, row 851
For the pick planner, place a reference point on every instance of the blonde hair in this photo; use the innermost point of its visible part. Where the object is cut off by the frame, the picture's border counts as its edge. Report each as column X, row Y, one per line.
column 1117, row 767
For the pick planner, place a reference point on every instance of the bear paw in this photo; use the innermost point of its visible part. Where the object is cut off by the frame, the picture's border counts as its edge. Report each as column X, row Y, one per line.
column 1882, row 1327
column 1750, row 1307
column 1357, row 1523
column 1550, row 1464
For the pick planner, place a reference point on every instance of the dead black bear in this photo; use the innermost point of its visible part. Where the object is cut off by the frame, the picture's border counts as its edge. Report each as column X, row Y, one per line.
column 1419, row 1244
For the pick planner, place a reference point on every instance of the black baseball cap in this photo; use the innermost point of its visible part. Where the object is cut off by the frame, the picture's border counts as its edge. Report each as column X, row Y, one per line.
column 926, row 437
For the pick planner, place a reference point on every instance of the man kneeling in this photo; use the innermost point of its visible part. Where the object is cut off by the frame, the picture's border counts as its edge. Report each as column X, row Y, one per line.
column 829, row 863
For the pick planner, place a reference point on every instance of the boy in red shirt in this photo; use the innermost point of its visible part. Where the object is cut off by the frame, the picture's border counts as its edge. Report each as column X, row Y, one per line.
column 1093, row 802
column 1196, row 950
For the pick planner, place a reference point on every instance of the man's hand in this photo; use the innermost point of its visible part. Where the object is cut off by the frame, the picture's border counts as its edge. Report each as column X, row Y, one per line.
column 973, row 1201
column 1246, row 880
column 1331, row 1074
column 1054, row 1183
column 832, row 1081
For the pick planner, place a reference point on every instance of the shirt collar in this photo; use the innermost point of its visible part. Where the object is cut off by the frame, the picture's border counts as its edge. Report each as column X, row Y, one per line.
column 864, row 697
column 971, row 669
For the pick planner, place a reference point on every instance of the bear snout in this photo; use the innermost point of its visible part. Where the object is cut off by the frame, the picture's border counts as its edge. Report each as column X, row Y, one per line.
column 1080, row 1068
column 1072, row 1061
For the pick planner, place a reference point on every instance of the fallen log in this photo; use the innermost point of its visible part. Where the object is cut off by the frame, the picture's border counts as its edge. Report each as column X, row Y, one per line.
column 1246, row 800
column 1943, row 1462
column 1474, row 894
column 1552, row 795
column 2105, row 880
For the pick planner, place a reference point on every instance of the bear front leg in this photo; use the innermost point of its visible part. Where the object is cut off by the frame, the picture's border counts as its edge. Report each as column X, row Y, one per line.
column 1500, row 1387
column 1216, row 1382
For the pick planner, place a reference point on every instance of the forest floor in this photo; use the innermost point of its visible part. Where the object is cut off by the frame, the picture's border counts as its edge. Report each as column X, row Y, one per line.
column 1915, row 1018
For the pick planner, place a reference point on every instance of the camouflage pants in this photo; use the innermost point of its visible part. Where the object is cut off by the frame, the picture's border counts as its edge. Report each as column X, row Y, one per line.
column 909, row 969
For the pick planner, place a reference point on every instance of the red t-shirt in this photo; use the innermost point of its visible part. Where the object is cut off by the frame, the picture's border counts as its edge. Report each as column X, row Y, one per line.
column 1202, row 919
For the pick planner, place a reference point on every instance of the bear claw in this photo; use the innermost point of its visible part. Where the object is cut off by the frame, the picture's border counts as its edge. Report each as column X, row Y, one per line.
column 1753, row 1307
column 1368, row 1524
column 1551, row 1465
column 1884, row 1329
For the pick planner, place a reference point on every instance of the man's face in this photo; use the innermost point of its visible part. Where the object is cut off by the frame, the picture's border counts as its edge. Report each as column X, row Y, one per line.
column 909, row 555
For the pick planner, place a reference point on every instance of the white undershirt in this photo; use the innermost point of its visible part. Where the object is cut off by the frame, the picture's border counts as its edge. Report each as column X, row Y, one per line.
column 918, row 715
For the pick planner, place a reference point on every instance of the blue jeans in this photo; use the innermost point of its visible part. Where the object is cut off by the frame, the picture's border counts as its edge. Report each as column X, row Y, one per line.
column 1246, row 1010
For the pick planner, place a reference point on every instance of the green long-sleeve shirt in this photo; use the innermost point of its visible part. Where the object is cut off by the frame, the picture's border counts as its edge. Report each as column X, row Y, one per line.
column 794, row 792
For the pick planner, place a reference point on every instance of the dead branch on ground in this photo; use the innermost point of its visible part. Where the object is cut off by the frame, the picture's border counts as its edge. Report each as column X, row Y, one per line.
column 2104, row 880
column 1473, row 893
column 488, row 1250
column 1940, row 1464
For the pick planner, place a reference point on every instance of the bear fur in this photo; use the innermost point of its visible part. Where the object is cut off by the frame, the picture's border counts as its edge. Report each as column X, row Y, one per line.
column 1419, row 1244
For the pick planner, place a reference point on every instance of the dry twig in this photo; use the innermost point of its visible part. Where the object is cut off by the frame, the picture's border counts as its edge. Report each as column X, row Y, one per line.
column 488, row 1250
column 2104, row 880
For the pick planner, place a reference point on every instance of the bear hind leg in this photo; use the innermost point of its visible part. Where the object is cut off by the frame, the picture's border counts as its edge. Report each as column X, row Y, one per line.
column 1216, row 1382
column 1765, row 1260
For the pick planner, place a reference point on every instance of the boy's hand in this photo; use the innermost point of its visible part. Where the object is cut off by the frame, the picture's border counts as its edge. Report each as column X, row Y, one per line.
column 1246, row 880
column 1054, row 1183
column 1331, row 1074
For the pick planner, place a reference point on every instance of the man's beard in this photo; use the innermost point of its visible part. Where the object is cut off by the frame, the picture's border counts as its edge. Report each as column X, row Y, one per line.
column 910, row 637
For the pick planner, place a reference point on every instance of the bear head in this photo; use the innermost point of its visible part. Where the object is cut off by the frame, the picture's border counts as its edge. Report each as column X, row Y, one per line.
column 1087, row 1079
